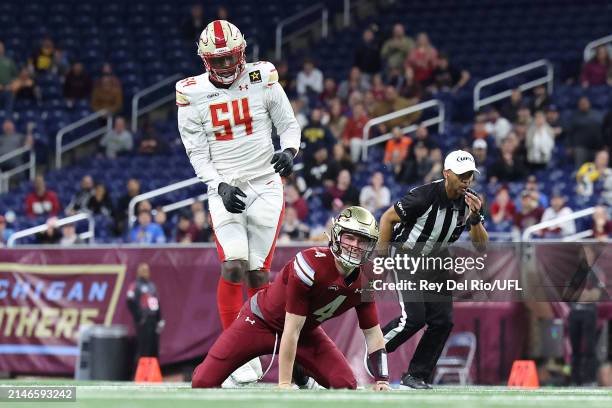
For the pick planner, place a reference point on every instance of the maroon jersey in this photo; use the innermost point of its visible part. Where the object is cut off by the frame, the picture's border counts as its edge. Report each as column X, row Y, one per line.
column 310, row 285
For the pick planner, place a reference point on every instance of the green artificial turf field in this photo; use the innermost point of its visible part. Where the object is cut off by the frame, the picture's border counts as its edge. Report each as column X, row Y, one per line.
column 179, row 395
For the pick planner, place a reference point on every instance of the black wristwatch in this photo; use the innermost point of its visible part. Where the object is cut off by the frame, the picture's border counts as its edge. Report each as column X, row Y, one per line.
column 475, row 218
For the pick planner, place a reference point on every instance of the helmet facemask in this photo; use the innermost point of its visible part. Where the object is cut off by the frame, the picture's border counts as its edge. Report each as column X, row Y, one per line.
column 225, row 67
column 349, row 255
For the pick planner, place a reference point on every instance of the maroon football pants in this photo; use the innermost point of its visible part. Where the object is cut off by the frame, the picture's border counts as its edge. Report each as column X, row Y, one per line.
column 249, row 337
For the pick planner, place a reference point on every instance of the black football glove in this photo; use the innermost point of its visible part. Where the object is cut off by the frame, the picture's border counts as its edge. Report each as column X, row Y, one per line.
column 229, row 195
column 283, row 162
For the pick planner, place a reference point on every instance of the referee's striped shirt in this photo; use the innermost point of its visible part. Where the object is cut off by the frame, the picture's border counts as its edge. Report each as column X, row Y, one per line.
column 429, row 220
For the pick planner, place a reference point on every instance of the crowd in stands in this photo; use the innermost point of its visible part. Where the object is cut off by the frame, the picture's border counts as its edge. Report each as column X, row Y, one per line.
column 511, row 141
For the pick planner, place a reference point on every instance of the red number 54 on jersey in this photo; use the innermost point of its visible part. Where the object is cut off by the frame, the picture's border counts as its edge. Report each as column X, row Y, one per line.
column 240, row 115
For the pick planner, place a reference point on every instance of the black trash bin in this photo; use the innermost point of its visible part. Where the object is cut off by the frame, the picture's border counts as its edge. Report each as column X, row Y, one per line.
column 103, row 354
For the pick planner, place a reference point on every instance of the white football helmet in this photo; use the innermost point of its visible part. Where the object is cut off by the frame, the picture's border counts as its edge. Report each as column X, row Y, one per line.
column 221, row 47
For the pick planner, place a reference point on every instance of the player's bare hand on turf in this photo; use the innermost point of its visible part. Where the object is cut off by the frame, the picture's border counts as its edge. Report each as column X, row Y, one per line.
column 283, row 162
column 381, row 386
column 473, row 201
column 229, row 195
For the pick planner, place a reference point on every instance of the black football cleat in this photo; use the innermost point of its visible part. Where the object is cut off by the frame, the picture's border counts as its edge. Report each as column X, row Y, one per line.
column 415, row 383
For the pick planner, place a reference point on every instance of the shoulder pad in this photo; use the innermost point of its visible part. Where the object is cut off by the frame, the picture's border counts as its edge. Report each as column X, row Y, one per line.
column 267, row 73
column 182, row 91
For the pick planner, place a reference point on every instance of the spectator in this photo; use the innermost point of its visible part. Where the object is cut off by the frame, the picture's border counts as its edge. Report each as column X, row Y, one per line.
column 422, row 58
column 602, row 225
column 378, row 88
column 293, row 229
column 121, row 214
column 497, row 126
column 309, row 80
column 435, row 173
column 584, row 132
column 80, row 199
column 540, row 142
column 107, row 92
column 24, row 88
column 10, row 141
column 293, row 199
column 418, row 166
column 341, row 194
column 5, row 232
column 161, row 219
column 409, row 87
column 533, row 186
column 8, row 72
column 510, row 109
column 554, row 120
column 606, row 130
column 367, row 53
column 151, row 144
column 540, row 99
column 337, row 121
column 317, row 169
column 509, row 166
column 284, row 77
column 376, row 195
column 43, row 58
column 186, row 231
column 480, row 126
column 503, row 208
column 298, row 110
column 330, row 91
column 147, row 231
column 355, row 82
column 393, row 102
column 118, row 140
column 595, row 72
column 202, row 224
column 316, row 135
column 341, row 160
column 193, row 25
column 397, row 48
column 41, row 202
column 421, row 134
column 222, row 13
column 592, row 172
column 530, row 213
column 396, row 149
column 556, row 210
column 77, row 84
column 352, row 136
column 479, row 151
column 51, row 235
column 446, row 77
column 100, row 202
column 69, row 236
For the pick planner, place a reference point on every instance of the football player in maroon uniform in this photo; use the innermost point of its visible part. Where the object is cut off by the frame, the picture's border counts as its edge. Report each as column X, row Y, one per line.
column 316, row 285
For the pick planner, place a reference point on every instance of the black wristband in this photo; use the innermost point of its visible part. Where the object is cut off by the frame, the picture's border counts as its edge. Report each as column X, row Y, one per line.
column 475, row 218
column 377, row 365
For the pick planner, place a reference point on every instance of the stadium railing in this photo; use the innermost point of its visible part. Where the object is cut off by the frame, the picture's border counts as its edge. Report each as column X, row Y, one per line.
column 437, row 120
column 170, row 188
column 88, row 235
column 589, row 50
column 60, row 149
column 138, row 111
column 547, row 79
column 282, row 39
column 29, row 166
column 527, row 234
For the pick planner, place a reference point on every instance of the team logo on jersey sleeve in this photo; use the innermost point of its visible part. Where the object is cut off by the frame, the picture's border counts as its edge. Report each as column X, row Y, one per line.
column 255, row 77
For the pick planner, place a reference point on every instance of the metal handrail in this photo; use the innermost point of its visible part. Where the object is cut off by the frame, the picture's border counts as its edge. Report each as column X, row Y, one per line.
column 590, row 47
column 90, row 234
column 59, row 149
column 30, row 165
column 136, row 111
column 548, row 79
column 438, row 120
column 526, row 236
column 310, row 10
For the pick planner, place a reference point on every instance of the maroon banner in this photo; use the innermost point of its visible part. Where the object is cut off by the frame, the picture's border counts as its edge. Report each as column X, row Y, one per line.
column 47, row 294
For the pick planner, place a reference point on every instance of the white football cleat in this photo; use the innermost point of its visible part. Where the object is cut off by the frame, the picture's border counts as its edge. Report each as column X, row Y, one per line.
column 244, row 374
column 311, row 384
column 256, row 366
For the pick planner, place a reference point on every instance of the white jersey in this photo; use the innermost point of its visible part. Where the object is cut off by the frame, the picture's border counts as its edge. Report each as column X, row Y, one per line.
column 227, row 132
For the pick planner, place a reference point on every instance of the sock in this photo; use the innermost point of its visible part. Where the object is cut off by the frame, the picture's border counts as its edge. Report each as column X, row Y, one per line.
column 229, row 301
column 252, row 291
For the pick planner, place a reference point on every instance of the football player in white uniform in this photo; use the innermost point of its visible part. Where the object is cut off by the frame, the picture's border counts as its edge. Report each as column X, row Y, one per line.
column 225, row 118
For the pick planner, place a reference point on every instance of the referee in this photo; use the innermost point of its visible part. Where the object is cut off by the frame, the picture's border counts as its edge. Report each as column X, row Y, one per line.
column 424, row 222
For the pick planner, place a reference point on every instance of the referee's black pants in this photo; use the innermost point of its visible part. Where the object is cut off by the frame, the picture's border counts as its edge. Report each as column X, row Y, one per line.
column 418, row 311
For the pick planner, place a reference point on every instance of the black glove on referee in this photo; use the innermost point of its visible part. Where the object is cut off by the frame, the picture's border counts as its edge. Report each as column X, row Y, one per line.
column 229, row 195
column 283, row 162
